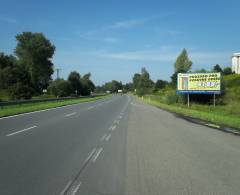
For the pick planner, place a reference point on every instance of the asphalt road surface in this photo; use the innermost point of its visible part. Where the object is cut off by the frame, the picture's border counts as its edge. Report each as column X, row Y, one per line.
column 115, row 146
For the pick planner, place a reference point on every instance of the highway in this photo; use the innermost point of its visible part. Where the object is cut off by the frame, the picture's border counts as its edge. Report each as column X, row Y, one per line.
column 114, row 146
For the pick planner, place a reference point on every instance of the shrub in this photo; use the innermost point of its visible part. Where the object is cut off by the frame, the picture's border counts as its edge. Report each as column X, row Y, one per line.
column 59, row 88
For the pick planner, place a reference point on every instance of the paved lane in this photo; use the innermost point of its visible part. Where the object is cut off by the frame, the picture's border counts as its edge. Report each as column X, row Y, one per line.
column 168, row 155
column 115, row 146
column 44, row 159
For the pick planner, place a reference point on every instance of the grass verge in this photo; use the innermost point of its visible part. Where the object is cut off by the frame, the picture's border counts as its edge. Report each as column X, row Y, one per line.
column 216, row 117
column 18, row 109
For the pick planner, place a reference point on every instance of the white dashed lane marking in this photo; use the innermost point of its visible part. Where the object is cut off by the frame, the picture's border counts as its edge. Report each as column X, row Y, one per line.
column 21, row 131
column 71, row 114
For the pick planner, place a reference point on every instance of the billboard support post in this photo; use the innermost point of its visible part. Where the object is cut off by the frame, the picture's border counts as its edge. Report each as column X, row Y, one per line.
column 188, row 100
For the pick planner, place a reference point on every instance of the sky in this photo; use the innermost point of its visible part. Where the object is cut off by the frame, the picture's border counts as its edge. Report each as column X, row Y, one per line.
column 113, row 39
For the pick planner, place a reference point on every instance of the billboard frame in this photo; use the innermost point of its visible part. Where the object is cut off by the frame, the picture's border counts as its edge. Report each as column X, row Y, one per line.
column 188, row 92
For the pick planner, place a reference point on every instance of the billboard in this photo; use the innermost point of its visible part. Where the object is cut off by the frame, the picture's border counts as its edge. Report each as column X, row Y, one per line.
column 204, row 83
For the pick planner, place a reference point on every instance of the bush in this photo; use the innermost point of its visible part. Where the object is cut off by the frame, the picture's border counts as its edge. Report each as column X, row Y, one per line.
column 232, row 80
column 171, row 97
column 20, row 91
column 59, row 88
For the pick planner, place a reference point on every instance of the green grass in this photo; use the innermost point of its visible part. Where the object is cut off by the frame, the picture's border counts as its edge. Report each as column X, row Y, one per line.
column 220, row 115
column 18, row 109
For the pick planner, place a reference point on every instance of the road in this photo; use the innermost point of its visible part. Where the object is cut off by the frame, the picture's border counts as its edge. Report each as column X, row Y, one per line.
column 117, row 145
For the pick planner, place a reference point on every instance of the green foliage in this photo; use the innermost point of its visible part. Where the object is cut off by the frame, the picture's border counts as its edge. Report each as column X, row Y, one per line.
column 87, row 85
column 160, row 84
column 183, row 63
column 14, row 79
column 232, row 80
column 34, row 52
column 142, row 83
column 217, row 68
column 20, row 91
column 16, row 109
column 60, row 88
column 227, row 71
column 112, row 86
column 227, row 115
column 201, row 71
column 128, row 87
column 75, row 82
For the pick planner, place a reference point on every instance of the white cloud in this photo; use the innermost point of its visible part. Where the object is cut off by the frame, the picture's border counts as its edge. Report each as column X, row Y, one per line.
column 8, row 20
column 127, row 23
column 136, row 21
column 168, row 54
column 149, row 55
column 93, row 36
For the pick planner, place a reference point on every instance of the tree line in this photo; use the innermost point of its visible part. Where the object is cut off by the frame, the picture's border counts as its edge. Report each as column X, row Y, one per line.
column 28, row 71
column 142, row 83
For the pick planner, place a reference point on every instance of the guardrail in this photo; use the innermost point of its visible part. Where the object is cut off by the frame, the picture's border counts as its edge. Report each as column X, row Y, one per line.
column 21, row 102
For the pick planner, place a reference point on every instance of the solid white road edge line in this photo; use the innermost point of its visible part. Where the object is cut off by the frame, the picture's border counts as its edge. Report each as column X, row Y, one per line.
column 97, row 154
column 27, row 129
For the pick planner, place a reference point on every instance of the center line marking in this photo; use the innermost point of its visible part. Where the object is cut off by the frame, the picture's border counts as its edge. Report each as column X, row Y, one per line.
column 67, row 115
column 116, row 121
column 103, row 137
column 89, row 156
column 66, row 187
column 108, row 137
column 97, row 154
column 21, row 131
column 76, row 188
column 114, row 127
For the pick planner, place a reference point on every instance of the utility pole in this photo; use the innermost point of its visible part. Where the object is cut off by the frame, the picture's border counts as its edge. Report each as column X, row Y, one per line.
column 58, row 70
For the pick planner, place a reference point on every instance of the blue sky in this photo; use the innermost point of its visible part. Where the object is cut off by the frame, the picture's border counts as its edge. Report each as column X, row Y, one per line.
column 113, row 39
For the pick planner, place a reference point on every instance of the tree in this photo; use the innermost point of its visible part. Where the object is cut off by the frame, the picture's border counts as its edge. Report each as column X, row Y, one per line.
column 128, row 87
column 136, row 79
column 182, row 65
column 112, row 86
column 60, row 88
column 217, row 68
column 142, row 82
column 75, row 82
column 160, row 84
column 15, row 80
column 34, row 52
column 87, row 85
column 227, row 71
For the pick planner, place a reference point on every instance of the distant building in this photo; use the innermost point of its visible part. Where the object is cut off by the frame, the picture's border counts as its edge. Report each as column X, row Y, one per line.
column 236, row 63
